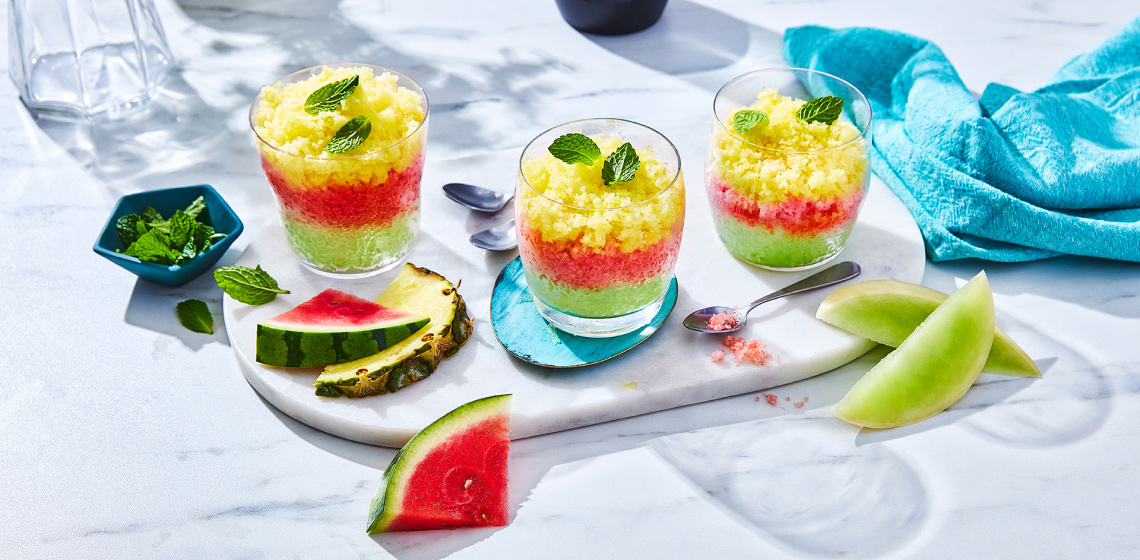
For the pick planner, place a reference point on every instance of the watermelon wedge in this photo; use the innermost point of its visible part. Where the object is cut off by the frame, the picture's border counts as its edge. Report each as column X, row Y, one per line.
column 332, row 328
column 451, row 474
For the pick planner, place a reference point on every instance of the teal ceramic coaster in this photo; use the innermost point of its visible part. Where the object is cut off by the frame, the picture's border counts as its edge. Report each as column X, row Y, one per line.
column 524, row 333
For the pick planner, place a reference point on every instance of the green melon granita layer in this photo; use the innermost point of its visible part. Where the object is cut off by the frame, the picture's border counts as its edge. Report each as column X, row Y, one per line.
column 612, row 301
column 352, row 249
column 774, row 248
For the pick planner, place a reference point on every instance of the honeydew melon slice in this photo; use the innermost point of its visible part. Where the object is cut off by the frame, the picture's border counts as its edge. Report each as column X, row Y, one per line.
column 932, row 368
column 451, row 474
column 332, row 328
column 887, row 311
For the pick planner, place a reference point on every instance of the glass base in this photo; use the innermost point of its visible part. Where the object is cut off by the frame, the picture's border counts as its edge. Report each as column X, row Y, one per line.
column 595, row 327
column 824, row 260
column 385, row 266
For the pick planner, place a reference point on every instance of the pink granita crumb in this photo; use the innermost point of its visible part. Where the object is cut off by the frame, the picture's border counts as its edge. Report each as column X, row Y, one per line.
column 747, row 351
column 772, row 399
column 787, row 398
column 799, row 404
column 718, row 356
column 805, row 399
column 757, row 399
column 724, row 321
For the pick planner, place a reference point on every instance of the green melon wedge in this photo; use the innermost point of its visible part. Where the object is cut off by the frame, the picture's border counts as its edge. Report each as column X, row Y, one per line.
column 887, row 311
column 932, row 368
column 451, row 474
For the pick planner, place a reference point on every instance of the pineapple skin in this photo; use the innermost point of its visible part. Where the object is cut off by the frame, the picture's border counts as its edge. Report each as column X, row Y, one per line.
column 404, row 370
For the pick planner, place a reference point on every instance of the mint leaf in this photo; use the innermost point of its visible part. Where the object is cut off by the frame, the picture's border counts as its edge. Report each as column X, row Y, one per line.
column 251, row 286
column 188, row 252
column 154, row 247
column 746, row 120
column 329, row 96
column 149, row 215
column 821, row 109
column 575, row 148
column 128, row 229
column 195, row 315
column 621, row 165
column 196, row 207
column 182, row 227
column 202, row 238
column 351, row 135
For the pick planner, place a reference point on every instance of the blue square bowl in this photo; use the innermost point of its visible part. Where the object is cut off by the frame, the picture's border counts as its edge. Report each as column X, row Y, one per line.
column 218, row 215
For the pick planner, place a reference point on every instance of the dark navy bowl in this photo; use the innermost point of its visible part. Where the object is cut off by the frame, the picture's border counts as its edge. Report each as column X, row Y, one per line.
column 218, row 215
column 610, row 17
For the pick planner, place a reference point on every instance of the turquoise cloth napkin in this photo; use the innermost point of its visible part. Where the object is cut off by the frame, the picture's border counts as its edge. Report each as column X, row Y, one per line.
column 1010, row 177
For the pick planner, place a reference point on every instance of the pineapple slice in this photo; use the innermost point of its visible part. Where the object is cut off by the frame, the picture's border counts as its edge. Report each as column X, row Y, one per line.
column 421, row 292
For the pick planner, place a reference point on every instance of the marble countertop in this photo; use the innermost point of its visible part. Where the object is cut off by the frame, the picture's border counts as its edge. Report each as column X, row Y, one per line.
column 122, row 435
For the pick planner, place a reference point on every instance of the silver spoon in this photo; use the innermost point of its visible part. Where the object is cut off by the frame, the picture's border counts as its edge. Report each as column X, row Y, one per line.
column 699, row 319
column 498, row 238
column 476, row 198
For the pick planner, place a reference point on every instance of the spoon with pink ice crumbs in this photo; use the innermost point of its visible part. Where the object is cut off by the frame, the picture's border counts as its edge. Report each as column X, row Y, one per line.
column 721, row 319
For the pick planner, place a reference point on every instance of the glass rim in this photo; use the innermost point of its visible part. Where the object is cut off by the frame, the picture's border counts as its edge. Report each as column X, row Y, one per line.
column 663, row 190
column 418, row 89
column 863, row 131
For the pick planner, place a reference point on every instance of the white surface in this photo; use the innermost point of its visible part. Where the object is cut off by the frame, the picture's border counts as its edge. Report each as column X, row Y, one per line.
column 122, row 435
column 673, row 368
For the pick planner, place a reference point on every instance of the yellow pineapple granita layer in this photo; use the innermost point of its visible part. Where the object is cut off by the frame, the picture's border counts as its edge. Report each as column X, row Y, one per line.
column 280, row 119
column 789, row 157
column 577, row 206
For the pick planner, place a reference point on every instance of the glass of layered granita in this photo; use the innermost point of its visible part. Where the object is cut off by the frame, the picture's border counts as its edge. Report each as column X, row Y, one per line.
column 343, row 148
column 599, row 239
column 787, row 171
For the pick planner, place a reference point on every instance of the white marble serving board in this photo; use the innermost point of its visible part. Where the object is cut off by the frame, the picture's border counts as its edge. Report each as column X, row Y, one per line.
column 673, row 368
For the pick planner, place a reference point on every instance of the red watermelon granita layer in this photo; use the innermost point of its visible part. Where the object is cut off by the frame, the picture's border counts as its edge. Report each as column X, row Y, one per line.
column 597, row 282
column 346, row 227
column 786, row 193
column 792, row 233
column 600, row 251
column 354, row 210
column 349, row 204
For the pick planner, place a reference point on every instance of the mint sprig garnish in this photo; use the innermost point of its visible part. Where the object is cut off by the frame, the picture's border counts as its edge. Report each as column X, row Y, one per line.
column 350, row 136
column 575, row 148
column 329, row 96
column 621, row 165
column 821, row 109
column 251, row 286
column 154, row 247
column 195, row 315
column 151, row 238
column 746, row 120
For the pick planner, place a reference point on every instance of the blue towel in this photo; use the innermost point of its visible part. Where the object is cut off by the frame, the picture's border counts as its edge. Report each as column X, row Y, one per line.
column 1012, row 176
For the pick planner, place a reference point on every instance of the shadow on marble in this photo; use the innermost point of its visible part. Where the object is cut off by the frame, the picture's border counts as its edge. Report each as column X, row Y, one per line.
column 1100, row 284
column 152, row 307
column 303, row 34
column 706, row 47
column 803, row 482
column 1070, row 402
column 177, row 139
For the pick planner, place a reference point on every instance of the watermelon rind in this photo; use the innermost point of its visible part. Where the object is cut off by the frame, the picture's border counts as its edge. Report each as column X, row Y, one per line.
column 293, row 343
column 293, row 348
column 386, row 506
column 888, row 311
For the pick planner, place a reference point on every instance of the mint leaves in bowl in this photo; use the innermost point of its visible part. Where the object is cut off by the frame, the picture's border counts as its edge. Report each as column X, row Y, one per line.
column 169, row 236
